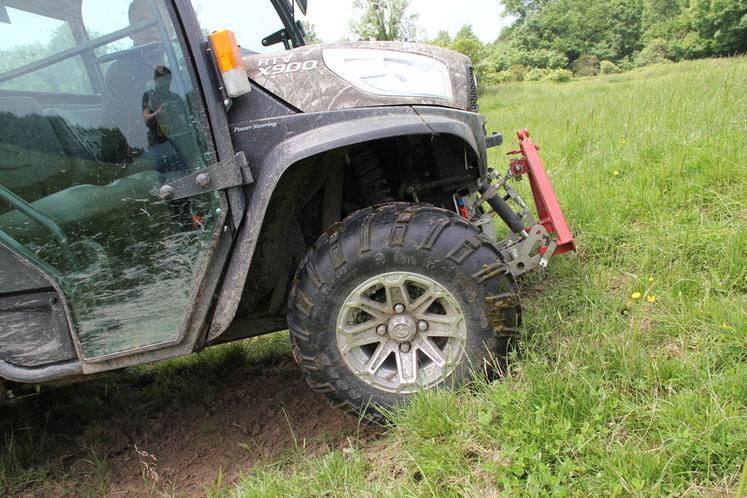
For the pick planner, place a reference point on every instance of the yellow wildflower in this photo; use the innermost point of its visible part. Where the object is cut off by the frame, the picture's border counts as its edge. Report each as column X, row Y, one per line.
column 635, row 295
column 651, row 298
column 650, row 279
column 615, row 173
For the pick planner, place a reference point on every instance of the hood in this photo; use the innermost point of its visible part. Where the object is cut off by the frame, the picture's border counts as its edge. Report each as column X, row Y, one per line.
column 303, row 79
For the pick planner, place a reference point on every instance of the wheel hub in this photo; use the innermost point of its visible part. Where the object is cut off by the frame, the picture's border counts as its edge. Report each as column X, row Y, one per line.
column 402, row 328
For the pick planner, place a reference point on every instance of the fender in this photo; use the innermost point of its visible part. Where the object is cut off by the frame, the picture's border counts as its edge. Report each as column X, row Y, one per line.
column 274, row 145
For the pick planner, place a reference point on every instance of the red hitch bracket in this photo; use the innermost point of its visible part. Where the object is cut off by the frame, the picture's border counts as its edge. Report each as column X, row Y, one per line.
column 548, row 209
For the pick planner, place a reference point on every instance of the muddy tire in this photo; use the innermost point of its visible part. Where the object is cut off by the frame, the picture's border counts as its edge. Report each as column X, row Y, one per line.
column 396, row 299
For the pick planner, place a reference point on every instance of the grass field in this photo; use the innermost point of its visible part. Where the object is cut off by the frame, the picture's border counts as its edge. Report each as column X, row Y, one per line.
column 632, row 377
column 612, row 395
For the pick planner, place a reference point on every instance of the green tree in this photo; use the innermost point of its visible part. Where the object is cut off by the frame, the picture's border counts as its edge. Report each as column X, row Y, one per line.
column 467, row 43
column 722, row 22
column 622, row 31
column 384, row 20
column 442, row 39
column 523, row 8
column 608, row 29
column 311, row 37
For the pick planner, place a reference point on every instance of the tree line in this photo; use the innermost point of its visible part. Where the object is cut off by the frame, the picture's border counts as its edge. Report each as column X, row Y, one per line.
column 557, row 39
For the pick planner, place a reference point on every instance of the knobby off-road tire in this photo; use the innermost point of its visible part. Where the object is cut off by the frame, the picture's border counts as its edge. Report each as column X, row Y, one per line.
column 379, row 291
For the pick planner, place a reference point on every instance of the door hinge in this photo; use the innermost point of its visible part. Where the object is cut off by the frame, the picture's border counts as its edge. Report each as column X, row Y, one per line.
column 224, row 174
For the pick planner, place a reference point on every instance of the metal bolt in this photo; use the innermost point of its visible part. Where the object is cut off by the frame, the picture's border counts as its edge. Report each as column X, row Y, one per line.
column 381, row 329
column 422, row 325
column 405, row 347
column 399, row 308
column 202, row 180
column 166, row 192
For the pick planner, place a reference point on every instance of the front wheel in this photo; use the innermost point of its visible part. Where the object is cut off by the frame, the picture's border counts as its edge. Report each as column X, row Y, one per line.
column 398, row 299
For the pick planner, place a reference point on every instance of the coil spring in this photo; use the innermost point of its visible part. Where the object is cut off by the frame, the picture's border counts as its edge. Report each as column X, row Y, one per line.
column 370, row 176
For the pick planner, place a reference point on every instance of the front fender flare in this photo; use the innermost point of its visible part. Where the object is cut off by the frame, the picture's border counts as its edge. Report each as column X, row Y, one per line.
column 274, row 145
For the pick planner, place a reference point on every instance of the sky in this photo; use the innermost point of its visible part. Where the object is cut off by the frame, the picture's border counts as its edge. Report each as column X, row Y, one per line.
column 331, row 17
column 252, row 20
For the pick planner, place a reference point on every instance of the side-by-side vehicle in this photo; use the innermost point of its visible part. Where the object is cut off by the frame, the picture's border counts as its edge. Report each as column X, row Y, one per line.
column 163, row 190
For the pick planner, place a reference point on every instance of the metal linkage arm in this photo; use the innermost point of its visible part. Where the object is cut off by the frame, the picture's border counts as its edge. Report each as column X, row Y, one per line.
column 548, row 209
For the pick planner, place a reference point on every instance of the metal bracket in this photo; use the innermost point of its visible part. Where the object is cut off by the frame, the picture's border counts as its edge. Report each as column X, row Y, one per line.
column 493, row 140
column 526, row 254
column 220, row 176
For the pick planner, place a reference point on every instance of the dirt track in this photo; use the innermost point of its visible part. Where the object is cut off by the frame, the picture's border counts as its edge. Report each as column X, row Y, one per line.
column 255, row 414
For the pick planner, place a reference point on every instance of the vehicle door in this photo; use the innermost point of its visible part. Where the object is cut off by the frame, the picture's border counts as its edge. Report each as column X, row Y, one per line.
column 98, row 109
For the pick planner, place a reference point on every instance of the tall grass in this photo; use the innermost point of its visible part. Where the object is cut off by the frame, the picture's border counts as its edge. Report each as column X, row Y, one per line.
column 632, row 379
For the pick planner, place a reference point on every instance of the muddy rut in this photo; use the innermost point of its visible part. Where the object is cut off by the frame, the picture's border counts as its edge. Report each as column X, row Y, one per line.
column 235, row 419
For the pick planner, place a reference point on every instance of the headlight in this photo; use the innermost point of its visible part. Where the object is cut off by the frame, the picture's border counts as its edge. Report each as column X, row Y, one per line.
column 386, row 72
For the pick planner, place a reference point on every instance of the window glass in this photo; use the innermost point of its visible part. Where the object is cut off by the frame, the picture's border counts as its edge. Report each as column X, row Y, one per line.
column 80, row 168
column 251, row 21
column 101, row 18
column 68, row 76
column 29, row 38
column 32, row 36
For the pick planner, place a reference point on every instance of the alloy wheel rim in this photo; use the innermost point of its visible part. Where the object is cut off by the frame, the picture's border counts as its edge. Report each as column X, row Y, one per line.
column 401, row 332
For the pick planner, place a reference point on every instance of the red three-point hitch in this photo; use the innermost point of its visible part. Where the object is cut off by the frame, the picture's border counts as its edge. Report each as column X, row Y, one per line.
column 549, row 213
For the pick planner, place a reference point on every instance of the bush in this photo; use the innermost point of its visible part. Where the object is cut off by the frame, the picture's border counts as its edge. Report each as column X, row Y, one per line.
column 500, row 55
column 518, row 72
column 692, row 46
column 655, row 52
column 558, row 75
column 502, row 61
column 504, row 77
column 536, row 74
column 609, row 67
column 487, row 75
column 542, row 57
column 586, row 65
column 626, row 64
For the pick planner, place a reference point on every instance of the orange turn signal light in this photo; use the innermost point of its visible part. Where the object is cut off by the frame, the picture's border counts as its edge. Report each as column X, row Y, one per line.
column 226, row 50
column 230, row 63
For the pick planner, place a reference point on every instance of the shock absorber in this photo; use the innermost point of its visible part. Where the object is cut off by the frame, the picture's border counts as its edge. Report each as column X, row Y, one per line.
column 370, row 177
column 490, row 195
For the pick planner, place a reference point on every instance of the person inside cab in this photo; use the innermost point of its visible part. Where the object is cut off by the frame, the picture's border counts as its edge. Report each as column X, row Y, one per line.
column 129, row 76
column 164, row 118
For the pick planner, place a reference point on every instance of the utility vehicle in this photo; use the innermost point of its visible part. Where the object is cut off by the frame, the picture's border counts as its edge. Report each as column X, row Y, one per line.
column 163, row 190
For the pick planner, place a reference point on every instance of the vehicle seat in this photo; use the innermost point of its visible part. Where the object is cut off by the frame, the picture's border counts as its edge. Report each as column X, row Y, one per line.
column 49, row 173
column 30, row 150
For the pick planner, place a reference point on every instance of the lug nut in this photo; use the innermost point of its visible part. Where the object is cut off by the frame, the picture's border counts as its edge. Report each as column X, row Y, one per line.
column 405, row 347
column 381, row 329
column 422, row 325
column 399, row 308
